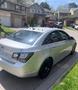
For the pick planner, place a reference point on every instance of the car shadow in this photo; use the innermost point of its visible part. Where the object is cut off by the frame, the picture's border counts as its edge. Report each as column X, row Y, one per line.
column 10, row 82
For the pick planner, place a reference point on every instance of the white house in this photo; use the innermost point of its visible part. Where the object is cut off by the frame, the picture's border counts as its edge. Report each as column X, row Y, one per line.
column 74, row 11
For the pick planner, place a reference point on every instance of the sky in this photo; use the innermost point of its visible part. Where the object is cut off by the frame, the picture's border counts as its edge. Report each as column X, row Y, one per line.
column 56, row 3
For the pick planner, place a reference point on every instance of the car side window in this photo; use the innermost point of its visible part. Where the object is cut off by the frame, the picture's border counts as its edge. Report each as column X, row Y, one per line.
column 52, row 37
column 64, row 36
column 47, row 40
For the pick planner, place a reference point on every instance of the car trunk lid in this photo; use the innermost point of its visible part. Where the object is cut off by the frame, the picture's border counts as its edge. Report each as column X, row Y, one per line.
column 8, row 47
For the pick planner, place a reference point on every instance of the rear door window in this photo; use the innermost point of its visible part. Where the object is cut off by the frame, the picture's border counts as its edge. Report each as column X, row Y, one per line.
column 64, row 36
column 52, row 37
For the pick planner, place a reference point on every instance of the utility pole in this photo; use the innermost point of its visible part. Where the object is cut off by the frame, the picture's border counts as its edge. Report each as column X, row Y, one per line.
column 58, row 16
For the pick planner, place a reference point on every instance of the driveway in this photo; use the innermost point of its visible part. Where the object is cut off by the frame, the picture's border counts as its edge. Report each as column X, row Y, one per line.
column 10, row 82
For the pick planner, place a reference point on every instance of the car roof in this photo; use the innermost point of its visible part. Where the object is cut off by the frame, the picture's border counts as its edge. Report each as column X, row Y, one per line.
column 40, row 29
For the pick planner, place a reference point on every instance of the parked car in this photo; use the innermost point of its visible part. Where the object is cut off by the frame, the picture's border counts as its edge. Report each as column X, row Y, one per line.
column 59, row 25
column 72, row 25
column 33, row 51
column 76, row 26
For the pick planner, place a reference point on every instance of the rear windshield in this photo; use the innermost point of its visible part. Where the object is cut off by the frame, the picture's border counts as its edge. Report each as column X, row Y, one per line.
column 23, row 36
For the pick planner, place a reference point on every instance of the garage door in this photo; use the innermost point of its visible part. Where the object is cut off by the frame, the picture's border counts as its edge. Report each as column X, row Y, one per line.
column 16, row 20
column 5, row 20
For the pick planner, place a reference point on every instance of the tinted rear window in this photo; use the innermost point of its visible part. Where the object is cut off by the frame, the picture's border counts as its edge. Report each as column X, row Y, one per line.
column 28, row 37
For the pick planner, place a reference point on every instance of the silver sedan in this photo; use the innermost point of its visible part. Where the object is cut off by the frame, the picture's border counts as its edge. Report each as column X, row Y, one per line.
column 33, row 51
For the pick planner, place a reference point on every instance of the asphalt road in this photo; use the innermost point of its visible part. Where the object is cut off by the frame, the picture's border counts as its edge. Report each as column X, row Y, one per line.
column 10, row 82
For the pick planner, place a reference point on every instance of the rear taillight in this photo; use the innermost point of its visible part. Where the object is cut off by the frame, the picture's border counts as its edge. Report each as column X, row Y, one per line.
column 22, row 56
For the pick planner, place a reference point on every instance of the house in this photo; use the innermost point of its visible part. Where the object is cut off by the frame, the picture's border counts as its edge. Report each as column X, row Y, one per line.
column 35, row 14
column 12, row 14
column 72, row 18
column 17, row 15
column 68, row 16
column 74, row 11
column 38, row 14
column 24, row 2
column 48, row 12
column 14, row 1
column 28, row 2
column 60, row 14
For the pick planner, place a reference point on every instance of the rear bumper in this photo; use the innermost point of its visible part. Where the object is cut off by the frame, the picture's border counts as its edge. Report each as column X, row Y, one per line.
column 17, row 69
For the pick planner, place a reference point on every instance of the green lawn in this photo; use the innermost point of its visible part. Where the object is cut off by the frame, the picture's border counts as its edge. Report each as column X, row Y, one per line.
column 70, row 82
column 70, row 28
column 7, row 29
column 4, row 31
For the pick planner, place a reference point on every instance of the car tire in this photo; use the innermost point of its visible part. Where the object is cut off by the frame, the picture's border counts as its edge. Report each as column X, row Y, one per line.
column 45, row 68
column 73, row 49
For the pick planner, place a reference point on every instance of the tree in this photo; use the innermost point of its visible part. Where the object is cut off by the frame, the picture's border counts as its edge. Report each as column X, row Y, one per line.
column 63, row 8
column 45, row 5
column 33, row 21
column 67, row 7
column 72, row 5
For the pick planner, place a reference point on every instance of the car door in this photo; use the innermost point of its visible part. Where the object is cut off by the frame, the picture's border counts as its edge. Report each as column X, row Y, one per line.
column 67, row 43
column 55, row 45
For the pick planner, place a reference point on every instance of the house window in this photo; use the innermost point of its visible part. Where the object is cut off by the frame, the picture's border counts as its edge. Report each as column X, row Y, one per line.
column 34, row 9
column 4, row 5
column 18, row 7
column 1, row 1
column 23, row 8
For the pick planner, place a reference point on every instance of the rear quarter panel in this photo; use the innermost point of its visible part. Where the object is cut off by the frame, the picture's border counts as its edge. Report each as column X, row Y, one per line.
column 35, row 62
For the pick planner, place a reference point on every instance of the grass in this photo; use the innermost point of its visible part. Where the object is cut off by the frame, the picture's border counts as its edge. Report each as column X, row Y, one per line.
column 70, row 28
column 70, row 82
column 7, row 29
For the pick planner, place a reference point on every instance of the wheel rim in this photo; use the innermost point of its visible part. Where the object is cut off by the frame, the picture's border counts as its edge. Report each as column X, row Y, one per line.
column 46, row 70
